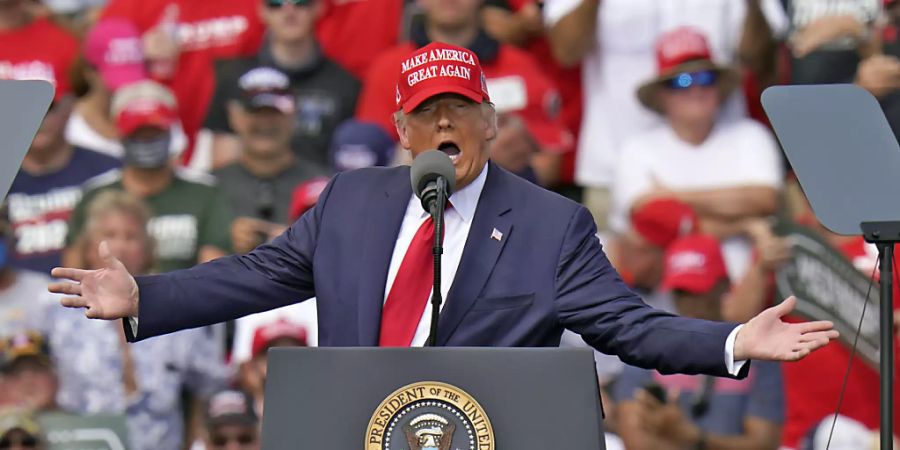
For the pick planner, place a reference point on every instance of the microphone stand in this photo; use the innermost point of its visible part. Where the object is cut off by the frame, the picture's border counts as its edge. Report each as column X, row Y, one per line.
column 437, row 214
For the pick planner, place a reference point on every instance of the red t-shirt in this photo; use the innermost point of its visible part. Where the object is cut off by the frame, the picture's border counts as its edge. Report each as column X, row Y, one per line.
column 40, row 50
column 512, row 68
column 207, row 30
column 812, row 386
column 355, row 32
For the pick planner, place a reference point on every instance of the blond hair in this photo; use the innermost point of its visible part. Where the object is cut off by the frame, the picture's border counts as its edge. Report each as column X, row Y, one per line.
column 115, row 201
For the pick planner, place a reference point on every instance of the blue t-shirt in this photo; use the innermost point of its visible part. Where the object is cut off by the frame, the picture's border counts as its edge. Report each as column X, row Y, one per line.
column 39, row 208
column 760, row 395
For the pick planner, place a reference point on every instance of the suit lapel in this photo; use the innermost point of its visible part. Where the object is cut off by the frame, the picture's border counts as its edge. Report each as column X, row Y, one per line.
column 483, row 247
column 383, row 217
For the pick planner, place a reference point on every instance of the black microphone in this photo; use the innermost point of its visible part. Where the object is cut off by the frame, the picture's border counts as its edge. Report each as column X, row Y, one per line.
column 433, row 180
column 427, row 169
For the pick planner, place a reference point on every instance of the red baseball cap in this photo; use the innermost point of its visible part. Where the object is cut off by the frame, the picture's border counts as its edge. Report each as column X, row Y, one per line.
column 439, row 68
column 664, row 220
column 145, row 103
column 528, row 95
column 684, row 49
column 280, row 329
column 694, row 264
column 305, row 196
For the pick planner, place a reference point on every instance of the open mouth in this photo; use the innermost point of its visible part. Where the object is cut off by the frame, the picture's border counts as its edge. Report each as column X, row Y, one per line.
column 450, row 149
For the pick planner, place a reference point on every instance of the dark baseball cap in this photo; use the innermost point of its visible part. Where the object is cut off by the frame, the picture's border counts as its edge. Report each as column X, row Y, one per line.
column 230, row 407
column 266, row 87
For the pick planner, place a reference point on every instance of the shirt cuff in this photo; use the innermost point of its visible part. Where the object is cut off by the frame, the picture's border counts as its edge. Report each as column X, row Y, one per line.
column 733, row 367
column 133, row 323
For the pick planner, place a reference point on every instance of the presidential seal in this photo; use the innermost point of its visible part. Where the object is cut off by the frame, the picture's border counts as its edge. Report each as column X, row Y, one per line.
column 429, row 416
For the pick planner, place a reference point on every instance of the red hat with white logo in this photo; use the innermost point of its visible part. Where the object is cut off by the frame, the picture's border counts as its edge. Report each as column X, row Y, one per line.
column 684, row 50
column 664, row 220
column 439, row 68
column 273, row 331
column 694, row 264
column 143, row 104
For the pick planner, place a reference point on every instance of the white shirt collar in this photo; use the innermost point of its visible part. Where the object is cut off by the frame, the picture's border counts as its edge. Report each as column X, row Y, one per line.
column 465, row 200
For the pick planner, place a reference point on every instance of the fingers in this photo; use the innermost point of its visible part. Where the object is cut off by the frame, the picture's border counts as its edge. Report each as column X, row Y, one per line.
column 106, row 255
column 65, row 288
column 812, row 327
column 73, row 302
column 92, row 313
column 109, row 260
column 785, row 307
column 816, row 340
column 68, row 273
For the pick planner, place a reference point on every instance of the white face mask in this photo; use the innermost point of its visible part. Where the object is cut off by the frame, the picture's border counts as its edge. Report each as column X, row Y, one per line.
column 147, row 154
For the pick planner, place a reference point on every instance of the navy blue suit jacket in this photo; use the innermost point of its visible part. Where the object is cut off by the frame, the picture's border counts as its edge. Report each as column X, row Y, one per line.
column 547, row 273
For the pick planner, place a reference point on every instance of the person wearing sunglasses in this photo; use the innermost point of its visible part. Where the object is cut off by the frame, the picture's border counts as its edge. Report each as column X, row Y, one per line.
column 19, row 431
column 324, row 93
column 231, row 422
column 727, row 169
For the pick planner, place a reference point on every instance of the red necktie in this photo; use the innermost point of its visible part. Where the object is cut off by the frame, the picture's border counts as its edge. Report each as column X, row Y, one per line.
column 408, row 297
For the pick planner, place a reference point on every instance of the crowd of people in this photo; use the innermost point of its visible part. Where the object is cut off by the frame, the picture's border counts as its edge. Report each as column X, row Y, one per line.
column 185, row 130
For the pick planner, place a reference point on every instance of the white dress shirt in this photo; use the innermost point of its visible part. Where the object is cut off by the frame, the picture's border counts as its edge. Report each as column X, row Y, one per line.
column 457, row 222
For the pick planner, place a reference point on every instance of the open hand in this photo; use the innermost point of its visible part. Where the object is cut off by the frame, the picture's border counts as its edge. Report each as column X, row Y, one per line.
column 108, row 293
column 767, row 337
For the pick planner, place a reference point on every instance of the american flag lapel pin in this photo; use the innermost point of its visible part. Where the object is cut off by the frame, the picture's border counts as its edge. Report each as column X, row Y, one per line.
column 496, row 235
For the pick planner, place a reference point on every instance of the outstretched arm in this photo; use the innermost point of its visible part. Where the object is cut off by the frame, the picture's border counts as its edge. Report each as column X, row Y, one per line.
column 273, row 275
column 594, row 302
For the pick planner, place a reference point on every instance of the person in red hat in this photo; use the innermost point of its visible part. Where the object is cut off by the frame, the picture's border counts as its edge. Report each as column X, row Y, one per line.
column 191, row 218
column 182, row 39
column 278, row 333
column 520, row 87
column 696, row 411
column 727, row 170
column 654, row 226
column 524, row 263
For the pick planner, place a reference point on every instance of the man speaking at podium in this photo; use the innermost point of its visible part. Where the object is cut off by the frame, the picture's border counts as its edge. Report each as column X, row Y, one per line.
column 520, row 265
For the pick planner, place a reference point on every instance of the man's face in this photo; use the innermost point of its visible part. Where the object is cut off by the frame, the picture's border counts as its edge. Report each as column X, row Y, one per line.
column 642, row 259
column 234, row 437
column 707, row 306
column 289, row 22
column 514, row 146
column 49, row 137
column 265, row 132
column 455, row 125
column 451, row 14
column 696, row 105
column 33, row 383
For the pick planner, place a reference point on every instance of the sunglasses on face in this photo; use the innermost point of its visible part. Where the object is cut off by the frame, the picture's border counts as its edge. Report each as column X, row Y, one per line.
column 689, row 79
column 242, row 439
column 27, row 442
column 279, row 3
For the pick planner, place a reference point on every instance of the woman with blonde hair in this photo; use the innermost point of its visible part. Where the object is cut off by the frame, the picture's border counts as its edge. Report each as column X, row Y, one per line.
column 102, row 374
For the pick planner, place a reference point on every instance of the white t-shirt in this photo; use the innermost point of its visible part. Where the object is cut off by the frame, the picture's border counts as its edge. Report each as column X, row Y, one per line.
column 738, row 152
column 80, row 134
column 624, row 57
column 303, row 313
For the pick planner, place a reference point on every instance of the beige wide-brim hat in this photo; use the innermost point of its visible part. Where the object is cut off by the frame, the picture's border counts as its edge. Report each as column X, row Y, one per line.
column 727, row 80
